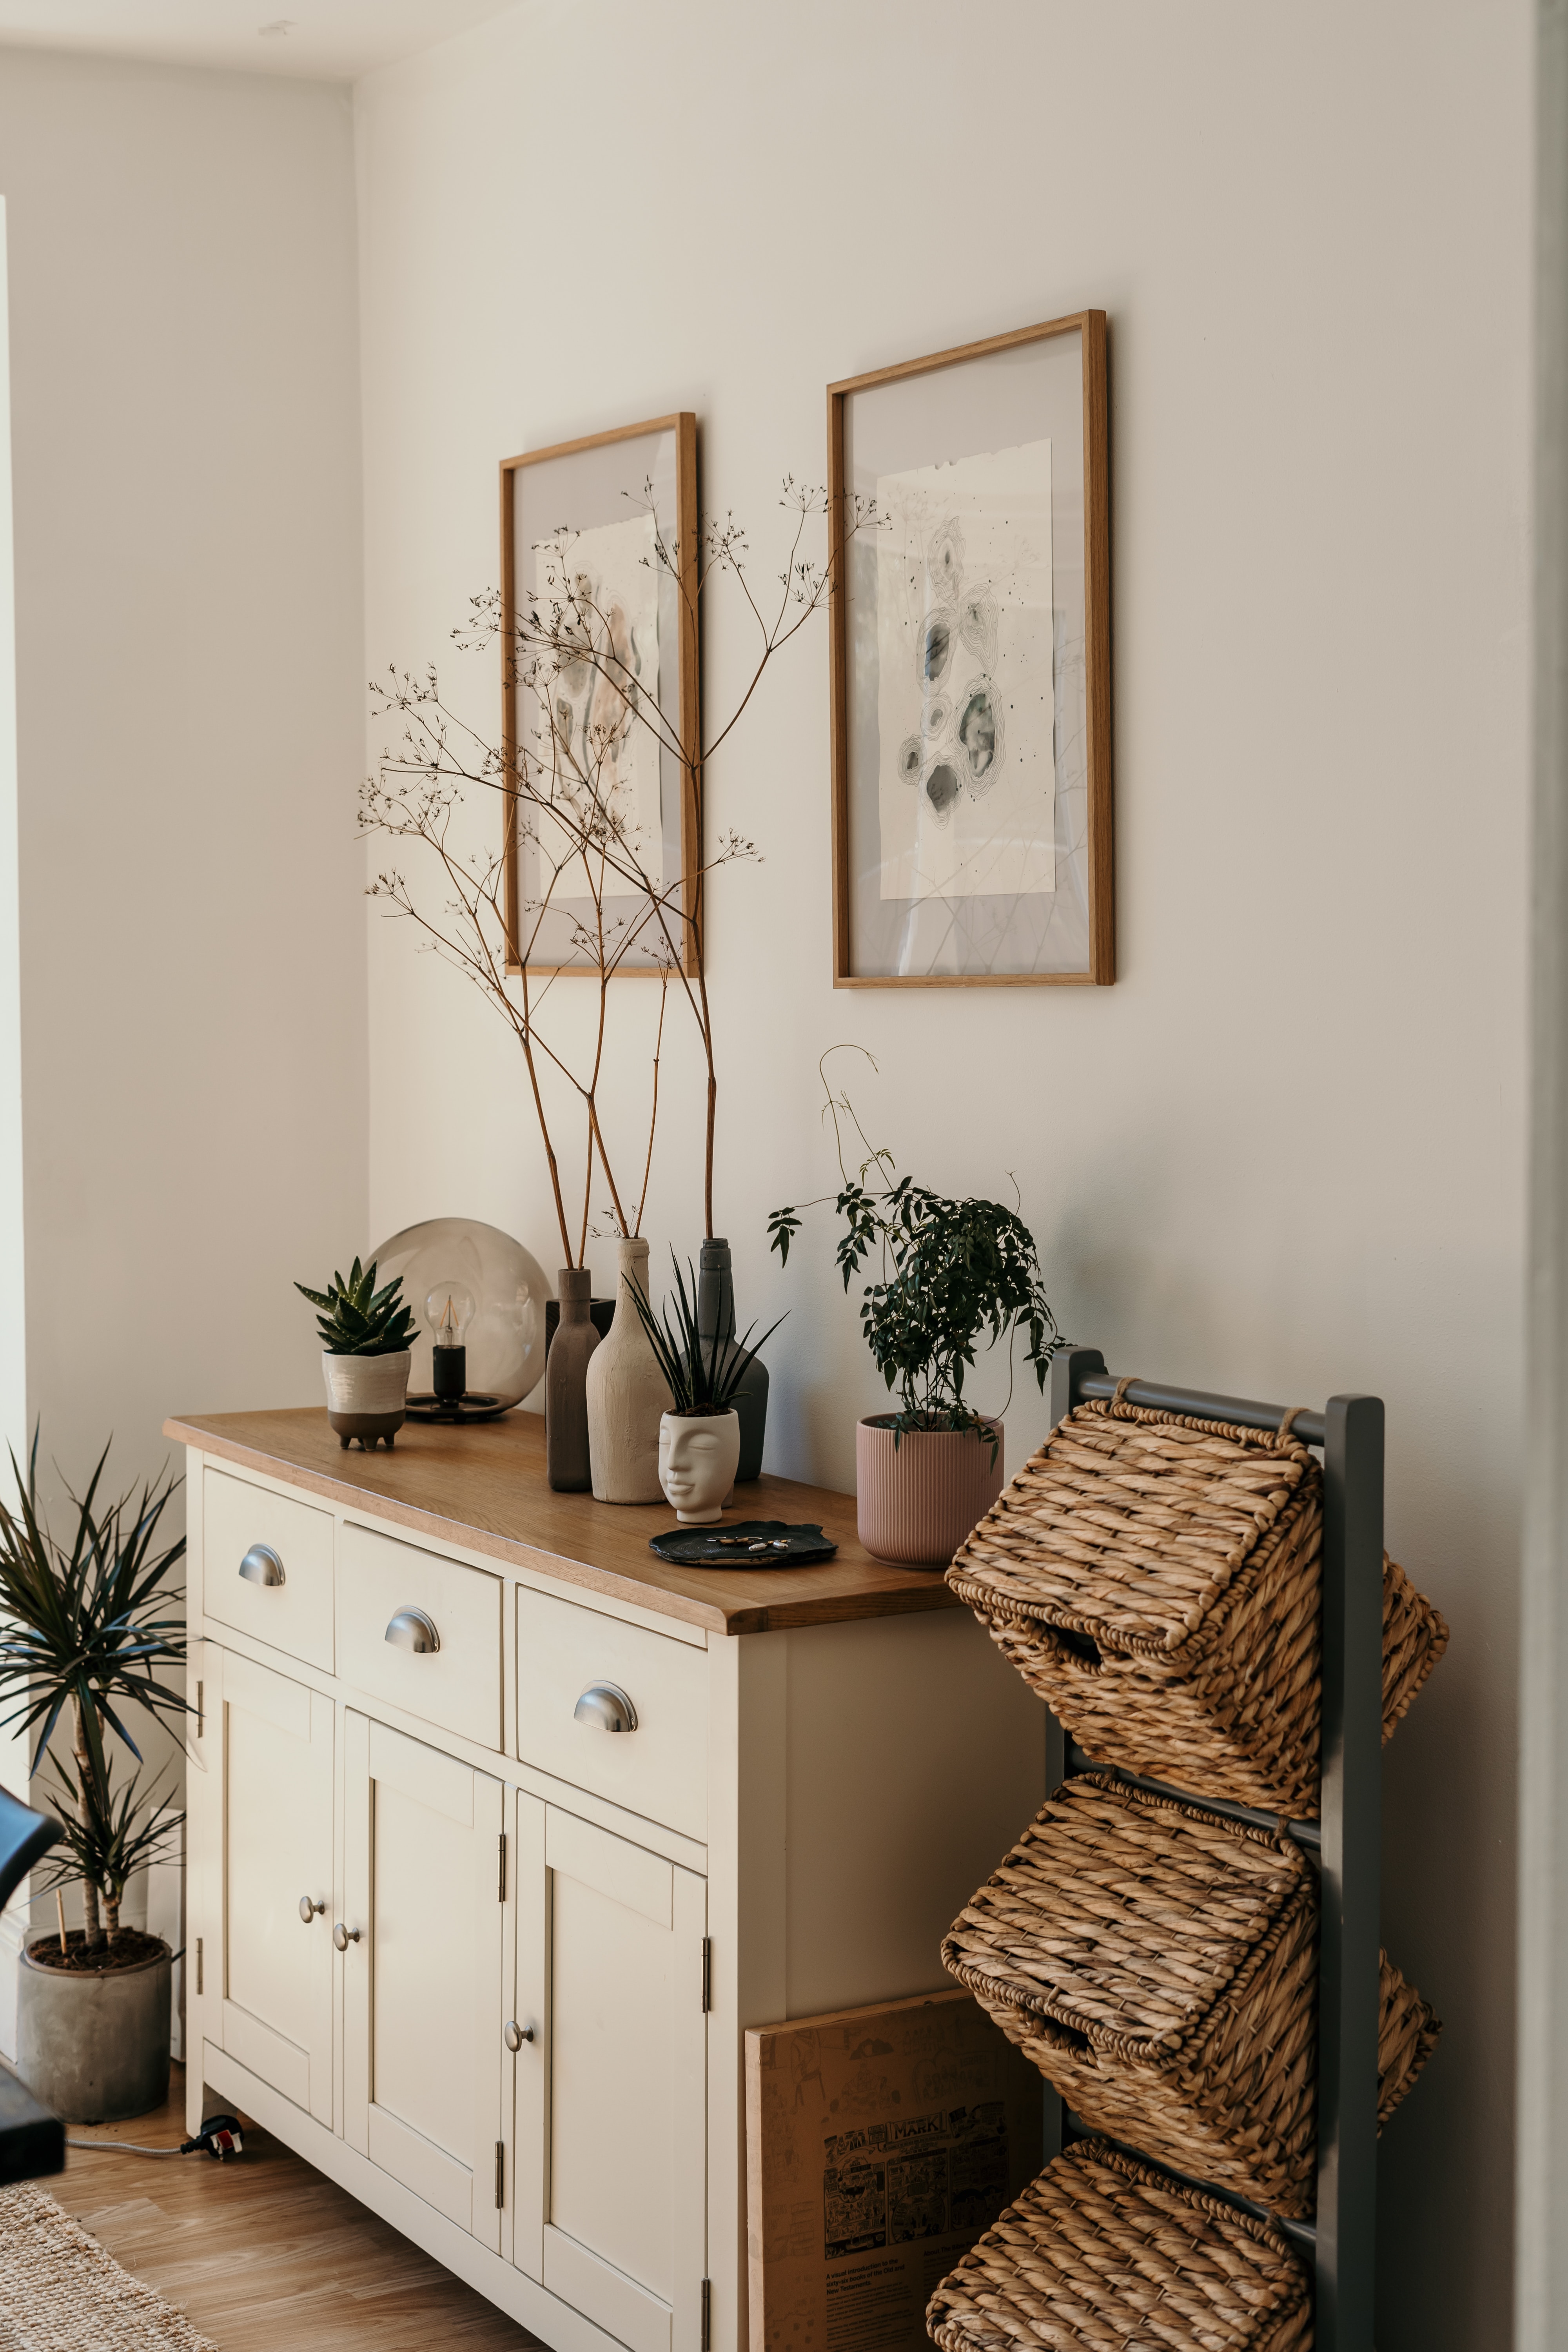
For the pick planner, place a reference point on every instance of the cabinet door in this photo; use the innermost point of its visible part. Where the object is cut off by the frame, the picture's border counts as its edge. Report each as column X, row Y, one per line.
column 275, row 1968
column 422, row 1986
column 610, row 2096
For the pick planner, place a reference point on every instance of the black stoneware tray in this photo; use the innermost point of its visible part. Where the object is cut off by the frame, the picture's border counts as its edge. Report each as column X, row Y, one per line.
column 748, row 1543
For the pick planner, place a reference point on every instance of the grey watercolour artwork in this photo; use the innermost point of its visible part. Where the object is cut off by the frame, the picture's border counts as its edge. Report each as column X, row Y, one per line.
column 589, row 739
column 965, row 696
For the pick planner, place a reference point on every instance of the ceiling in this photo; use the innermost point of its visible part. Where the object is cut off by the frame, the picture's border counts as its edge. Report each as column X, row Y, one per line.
column 321, row 39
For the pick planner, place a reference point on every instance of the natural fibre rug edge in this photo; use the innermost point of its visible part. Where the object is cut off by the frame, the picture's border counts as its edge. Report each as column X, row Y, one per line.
column 60, row 2292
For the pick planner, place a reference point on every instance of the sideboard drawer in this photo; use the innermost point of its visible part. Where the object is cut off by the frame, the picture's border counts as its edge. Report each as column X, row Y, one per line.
column 660, row 1770
column 286, row 1599
column 459, row 1684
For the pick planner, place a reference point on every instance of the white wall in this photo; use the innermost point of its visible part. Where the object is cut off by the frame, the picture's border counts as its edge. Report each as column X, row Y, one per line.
column 184, row 449
column 1283, row 1156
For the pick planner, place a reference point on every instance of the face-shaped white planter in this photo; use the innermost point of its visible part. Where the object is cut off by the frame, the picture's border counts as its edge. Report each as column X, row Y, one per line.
column 697, row 1454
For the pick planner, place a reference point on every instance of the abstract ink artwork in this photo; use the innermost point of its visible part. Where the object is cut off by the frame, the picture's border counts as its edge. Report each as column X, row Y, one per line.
column 965, row 696
column 970, row 634
column 599, row 546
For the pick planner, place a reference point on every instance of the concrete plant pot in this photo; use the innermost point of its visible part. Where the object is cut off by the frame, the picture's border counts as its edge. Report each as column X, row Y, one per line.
column 94, row 2048
column 367, row 1396
column 916, row 1501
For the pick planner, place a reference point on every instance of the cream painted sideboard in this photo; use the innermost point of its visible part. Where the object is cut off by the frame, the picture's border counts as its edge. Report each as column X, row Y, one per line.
column 490, row 1966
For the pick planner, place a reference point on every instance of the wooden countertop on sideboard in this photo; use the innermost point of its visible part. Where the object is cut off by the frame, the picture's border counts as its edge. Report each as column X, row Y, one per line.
column 484, row 1488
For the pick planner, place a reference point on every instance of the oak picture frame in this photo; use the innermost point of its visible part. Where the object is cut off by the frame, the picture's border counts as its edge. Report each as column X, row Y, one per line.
column 1095, row 848
column 513, row 473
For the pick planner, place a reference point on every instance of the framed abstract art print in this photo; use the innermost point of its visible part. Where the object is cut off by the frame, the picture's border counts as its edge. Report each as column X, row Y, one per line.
column 970, row 627
column 599, row 717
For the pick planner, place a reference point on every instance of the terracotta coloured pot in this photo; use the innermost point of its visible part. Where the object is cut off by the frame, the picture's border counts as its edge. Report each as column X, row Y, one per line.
column 916, row 1504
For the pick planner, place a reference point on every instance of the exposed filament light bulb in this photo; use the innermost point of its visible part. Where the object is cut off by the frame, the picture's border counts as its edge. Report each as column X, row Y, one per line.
column 448, row 1310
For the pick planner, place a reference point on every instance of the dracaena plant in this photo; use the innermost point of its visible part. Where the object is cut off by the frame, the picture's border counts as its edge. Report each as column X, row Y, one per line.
column 108, row 1834
column 85, row 1626
column 953, row 1273
column 703, row 1371
column 357, row 1319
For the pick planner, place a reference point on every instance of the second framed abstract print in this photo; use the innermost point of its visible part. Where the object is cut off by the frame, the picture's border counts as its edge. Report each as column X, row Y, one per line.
column 969, row 503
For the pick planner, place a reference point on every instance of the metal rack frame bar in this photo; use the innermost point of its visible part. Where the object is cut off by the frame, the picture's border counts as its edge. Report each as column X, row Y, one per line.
column 1350, row 1430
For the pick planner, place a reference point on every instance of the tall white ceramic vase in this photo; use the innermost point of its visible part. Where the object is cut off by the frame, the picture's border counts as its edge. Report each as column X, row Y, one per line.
column 627, row 1396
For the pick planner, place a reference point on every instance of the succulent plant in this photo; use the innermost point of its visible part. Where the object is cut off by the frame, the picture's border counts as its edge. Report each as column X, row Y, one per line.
column 357, row 1319
column 703, row 1372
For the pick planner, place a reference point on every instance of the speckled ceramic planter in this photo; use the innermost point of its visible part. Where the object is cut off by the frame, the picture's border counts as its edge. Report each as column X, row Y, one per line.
column 915, row 1503
column 367, row 1396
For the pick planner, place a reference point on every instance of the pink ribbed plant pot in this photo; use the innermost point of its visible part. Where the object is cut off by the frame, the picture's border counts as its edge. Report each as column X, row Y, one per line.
column 916, row 1504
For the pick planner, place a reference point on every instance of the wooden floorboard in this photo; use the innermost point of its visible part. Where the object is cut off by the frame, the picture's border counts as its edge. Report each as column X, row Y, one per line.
column 264, row 2252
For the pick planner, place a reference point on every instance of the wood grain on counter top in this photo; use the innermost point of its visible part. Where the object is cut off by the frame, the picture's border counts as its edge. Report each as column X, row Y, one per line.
column 484, row 1488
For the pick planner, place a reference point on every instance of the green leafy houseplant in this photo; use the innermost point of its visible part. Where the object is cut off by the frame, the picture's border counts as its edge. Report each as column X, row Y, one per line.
column 357, row 1319
column 953, row 1271
column 83, row 1632
column 703, row 1372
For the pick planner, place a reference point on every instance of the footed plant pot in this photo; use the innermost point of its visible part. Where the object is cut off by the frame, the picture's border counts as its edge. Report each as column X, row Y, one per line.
column 367, row 1396
column 915, row 1504
column 94, row 2049
column 697, row 1456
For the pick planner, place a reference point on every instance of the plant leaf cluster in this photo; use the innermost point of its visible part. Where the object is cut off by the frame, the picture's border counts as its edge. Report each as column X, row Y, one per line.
column 108, row 1835
column 703, row 1370
column 85, row 1627
column 953, row 1273
column 357, row 1319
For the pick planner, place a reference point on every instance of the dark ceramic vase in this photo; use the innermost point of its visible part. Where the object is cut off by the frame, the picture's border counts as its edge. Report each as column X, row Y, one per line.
column 715, row 1315
column 566, row 1464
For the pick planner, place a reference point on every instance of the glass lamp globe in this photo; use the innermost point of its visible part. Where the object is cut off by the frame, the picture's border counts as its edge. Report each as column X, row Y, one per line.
column 487, row 1289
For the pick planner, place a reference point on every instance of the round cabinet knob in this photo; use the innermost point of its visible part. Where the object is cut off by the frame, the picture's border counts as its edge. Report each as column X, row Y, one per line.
column 606, row 1706
column 411, row 1629
column 343, row 1937
column 515, row 2035
column 308, row 1909
column 261, row 1565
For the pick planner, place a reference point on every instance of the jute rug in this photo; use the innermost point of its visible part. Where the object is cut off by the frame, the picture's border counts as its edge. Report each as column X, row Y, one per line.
column 60, row 2292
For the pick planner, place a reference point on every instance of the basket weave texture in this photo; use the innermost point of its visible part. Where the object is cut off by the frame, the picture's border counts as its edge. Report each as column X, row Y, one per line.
column 1105, row 2254
column 1157, row 1580
column 1159, row 1965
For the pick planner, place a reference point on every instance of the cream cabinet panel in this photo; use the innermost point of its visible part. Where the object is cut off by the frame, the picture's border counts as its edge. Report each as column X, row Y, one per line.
column 457, row 1685
column 660, row 1770
column 422, row 1984
column 286, row 1601
column 610, row 2099
column 275, row 1968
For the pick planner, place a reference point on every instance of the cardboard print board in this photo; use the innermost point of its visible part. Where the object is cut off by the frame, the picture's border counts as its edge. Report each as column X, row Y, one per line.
column 880, row 2144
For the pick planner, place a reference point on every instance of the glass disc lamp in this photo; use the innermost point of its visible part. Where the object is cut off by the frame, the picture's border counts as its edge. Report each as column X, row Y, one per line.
column 481, row 1348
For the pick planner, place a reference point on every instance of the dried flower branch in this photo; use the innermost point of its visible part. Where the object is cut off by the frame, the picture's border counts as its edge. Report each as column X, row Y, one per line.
column 570, row 827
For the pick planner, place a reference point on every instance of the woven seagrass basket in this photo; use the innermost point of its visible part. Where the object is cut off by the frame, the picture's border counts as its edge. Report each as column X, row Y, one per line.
column 1159, row 1964
column 1157, row 1580
column 1105, row 2254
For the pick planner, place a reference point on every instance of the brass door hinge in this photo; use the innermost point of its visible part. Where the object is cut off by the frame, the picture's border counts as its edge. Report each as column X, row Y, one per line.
column 500, row 2174
column 198, row 1964
column 707, row 1972
column 501, row 1883
column 707, row 2315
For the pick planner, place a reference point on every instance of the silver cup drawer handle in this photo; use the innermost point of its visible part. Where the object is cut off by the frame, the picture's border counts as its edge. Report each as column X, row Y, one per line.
column 411, row 1629
column 261, row 1565
column 606, row 1706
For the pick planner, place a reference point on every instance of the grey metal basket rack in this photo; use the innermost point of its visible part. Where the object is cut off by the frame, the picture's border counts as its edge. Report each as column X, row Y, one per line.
column 1346, row 1839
